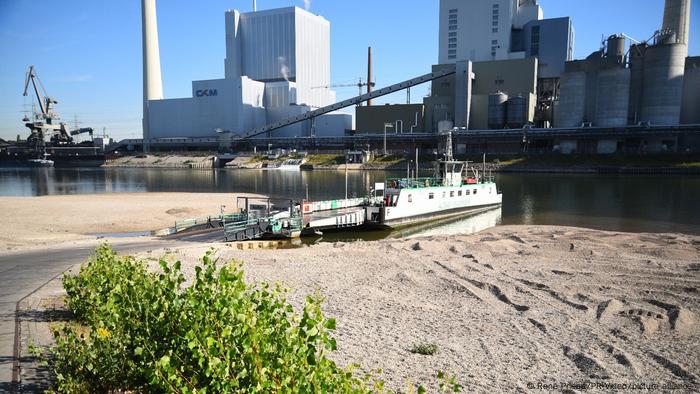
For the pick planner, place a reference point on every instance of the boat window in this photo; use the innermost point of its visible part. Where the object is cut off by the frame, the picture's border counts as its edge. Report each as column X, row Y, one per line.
column 459, row 193
column 468, row 192
column 444, row 194
column 452, row 193
column 431, row 196
column 410, row 198
column 474, row 191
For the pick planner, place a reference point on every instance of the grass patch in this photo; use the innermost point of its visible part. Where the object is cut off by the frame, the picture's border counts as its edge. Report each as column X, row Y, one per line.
column 325, row 159
column 425, row 349
column 388, row 159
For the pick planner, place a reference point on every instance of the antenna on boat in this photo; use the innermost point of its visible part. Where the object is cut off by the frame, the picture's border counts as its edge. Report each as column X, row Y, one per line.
column 448, row 146
column 484, row 167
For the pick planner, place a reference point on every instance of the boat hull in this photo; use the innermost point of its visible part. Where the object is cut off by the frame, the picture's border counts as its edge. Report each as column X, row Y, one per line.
column 433, row 216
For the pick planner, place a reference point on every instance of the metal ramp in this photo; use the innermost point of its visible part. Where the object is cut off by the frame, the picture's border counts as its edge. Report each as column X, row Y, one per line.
column 336, row 219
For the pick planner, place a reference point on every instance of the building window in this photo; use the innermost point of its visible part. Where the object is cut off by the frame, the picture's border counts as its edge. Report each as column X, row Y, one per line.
column 495, row 18
column 535, row 41
column 453, row 27
column 453, row 21
column 452, row 34
column 495, row 6
column 452, row 45
column 494, row 30
column 453, row 11
column 494, row 23
column 452, row 52
column 494, row 42
column 431, row 196
column 452, row 40
column 452, row 57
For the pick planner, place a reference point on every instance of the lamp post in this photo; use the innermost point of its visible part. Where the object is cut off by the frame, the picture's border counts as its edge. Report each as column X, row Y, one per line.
column 385, row 127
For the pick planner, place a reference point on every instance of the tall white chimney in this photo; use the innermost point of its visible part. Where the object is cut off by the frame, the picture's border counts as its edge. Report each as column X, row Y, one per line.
column 152, row 81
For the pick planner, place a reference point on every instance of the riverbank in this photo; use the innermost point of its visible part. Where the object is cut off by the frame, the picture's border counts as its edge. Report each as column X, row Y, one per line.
column 163, row 161
column 505, row 308
column 39, row 222
column 584, row 164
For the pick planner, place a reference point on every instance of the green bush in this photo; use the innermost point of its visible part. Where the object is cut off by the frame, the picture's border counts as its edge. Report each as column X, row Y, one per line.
column 145, row 332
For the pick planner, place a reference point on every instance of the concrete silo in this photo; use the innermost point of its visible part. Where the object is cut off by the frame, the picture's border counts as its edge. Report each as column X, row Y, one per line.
column 690, row 111
column 497, row 110
column 612, row 100
column 664, row 65
column 517, row 110
column 572, row 99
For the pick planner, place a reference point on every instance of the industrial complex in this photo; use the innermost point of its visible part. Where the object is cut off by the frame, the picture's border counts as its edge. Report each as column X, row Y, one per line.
column 504, row 74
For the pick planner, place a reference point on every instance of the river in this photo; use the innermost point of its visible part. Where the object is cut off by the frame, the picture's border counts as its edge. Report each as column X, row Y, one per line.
column 640, row 203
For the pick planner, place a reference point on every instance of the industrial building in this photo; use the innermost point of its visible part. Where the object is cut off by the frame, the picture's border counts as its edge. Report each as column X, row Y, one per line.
column 642, row 83
column 498, row 92
column 516, row 58
column 277, row 65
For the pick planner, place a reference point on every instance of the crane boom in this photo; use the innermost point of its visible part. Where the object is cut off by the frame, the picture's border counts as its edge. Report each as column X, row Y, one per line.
column 31, row 76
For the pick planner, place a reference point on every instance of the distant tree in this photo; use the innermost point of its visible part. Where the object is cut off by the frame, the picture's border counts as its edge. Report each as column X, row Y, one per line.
column 17, row 137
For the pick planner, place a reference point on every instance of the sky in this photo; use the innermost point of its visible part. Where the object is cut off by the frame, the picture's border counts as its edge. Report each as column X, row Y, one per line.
column 88, row 53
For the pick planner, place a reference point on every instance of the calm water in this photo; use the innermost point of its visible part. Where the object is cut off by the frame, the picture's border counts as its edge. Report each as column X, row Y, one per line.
column 627, row 203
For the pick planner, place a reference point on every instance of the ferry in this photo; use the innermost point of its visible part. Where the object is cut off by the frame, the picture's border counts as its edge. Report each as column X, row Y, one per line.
column 455, row 189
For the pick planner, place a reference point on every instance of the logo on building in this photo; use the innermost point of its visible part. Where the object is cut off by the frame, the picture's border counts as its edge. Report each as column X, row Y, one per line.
column 206, row 92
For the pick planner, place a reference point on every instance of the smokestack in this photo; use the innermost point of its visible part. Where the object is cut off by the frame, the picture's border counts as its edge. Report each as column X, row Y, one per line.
column 369, row 73
column 152, row 81
column 255, row 5
column 677, row 19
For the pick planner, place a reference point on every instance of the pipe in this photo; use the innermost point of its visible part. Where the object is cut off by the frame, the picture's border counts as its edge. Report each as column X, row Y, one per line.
column 369, row 74
column 398, row 130
column 415, row 123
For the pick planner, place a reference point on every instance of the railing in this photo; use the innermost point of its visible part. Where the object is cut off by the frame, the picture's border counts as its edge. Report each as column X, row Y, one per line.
column 184, row 224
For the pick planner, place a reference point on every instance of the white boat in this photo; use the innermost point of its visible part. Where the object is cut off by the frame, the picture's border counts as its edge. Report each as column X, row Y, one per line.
column 455, row 190
column 40, row 163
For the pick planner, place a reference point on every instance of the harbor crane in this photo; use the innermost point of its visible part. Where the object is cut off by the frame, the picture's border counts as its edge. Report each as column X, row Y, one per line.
column 47, row 121
column 359, row 85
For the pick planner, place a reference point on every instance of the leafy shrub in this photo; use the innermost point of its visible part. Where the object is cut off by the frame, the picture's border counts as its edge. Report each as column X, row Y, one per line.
column 146, row 333
column 426, row 349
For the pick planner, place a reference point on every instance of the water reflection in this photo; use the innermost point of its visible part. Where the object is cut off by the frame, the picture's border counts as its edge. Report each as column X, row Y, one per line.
column 627, row 203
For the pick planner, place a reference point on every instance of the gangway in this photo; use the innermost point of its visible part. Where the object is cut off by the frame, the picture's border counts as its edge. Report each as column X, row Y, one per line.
column 449, row 70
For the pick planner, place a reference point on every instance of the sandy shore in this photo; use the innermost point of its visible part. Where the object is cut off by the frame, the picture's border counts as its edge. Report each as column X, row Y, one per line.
column 36, row 222
column 507, row 307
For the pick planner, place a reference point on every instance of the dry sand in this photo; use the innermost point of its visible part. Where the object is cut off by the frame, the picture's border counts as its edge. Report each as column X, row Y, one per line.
column 38, row 222
column 507, row 307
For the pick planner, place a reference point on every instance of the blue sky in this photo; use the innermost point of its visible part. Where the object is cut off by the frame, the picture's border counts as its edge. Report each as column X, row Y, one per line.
column 88, row 53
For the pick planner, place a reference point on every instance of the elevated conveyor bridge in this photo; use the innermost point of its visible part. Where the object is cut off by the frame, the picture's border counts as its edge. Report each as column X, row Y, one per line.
column 352, row 101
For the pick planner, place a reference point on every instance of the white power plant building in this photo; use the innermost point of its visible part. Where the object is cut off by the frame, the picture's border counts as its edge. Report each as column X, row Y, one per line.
column 277, row 65
column 480, row 30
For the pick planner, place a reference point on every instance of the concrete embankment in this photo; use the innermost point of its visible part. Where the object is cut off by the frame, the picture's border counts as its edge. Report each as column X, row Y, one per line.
column 163, row 161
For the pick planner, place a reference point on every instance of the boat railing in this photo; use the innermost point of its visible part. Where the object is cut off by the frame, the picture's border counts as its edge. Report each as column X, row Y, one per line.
column 413, row 183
